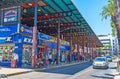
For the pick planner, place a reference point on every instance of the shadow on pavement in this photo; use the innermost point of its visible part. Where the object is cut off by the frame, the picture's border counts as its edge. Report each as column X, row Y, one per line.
column 103, row 77
column 69, row 70
column 112, row 67
column 109, row 74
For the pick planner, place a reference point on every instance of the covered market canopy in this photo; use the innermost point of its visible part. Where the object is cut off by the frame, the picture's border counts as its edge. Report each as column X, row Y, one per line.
column 54, row 13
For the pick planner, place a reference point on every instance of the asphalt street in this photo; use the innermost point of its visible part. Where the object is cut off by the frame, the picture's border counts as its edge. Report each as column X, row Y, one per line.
column 79, row 71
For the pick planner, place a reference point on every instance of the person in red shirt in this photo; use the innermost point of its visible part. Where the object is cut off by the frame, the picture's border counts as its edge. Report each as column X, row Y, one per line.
column 40, row 55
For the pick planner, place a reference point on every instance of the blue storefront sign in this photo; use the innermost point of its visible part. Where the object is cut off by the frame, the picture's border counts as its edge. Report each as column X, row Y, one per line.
column 53, row 45
column 25, row 30
column 14, row 38
column 44, row 36
column 64, row 47
column 26, row 40
column 6, row 31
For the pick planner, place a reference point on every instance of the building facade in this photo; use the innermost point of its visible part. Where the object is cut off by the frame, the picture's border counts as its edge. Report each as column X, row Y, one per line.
column 110, row 44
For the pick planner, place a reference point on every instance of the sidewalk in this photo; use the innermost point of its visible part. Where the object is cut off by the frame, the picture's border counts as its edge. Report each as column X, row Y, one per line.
column 13, row 71
column 117, row 75
column 16, row 71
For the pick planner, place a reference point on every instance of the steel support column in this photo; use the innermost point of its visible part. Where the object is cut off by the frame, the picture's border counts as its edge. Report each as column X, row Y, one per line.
column 34, row 44
column 71, row 39
column 77, row 44
column 83, row 44
column 58, row 42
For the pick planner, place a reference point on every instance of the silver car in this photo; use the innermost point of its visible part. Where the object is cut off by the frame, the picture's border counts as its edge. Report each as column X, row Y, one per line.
column 100, row 62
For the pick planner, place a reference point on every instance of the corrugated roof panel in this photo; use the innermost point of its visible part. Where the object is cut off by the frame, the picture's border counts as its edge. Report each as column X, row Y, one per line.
column 49, row 9
column 63, row 20
column 68, row 18
column 71, row 7
column 67, row 1
column 53, row 5
column 74, row 17
column 62, row 5
column 75, row 12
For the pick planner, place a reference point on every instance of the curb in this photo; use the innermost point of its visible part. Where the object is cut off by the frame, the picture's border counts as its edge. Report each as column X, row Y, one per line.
column 17, row 73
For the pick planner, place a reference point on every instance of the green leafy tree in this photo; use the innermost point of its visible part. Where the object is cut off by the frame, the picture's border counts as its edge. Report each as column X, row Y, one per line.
column 109, row 11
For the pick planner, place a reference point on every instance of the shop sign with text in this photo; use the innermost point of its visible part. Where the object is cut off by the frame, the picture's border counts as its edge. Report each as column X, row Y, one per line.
column 10, row 16
column 25, row 30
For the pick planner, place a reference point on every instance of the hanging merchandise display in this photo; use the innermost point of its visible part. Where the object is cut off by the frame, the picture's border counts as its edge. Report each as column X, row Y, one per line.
column 6, row 51
column 26, row 57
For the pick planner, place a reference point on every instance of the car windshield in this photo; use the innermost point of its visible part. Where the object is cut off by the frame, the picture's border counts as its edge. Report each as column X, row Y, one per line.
column 100, row 59
column 108, row 56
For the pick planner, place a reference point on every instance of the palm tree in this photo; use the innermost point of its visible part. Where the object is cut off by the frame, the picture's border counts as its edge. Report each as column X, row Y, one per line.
column 109, row 11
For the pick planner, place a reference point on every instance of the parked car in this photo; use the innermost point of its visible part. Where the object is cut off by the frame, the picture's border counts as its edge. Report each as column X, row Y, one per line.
column 109, row 58
column 100, row 62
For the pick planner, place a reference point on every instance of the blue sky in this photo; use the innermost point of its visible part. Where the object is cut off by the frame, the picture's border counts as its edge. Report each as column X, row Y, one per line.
column 90, row 10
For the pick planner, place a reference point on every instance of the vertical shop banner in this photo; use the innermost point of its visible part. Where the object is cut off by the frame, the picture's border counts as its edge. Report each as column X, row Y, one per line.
column 10, row 16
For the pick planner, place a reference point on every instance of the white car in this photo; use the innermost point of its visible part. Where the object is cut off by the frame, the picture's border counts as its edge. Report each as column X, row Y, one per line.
column 100, row 62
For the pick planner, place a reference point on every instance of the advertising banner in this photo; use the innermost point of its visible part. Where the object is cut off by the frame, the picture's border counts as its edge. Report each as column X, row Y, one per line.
column 44, row 36
column 25, row 30
column 10, row 16
column 64, row 47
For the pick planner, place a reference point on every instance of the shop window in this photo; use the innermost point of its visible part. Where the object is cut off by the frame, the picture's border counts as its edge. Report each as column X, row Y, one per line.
column 6, row 52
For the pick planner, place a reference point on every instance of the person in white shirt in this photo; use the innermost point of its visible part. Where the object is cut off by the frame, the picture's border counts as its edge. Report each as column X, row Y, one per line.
column 50, row 58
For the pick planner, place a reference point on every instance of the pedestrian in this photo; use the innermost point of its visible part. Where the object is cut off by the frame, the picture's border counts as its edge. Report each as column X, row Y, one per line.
column 15, row 57
column 63, row 57
column 83, row 57
column 55, row 58
column 68, row 57
column 50, row 58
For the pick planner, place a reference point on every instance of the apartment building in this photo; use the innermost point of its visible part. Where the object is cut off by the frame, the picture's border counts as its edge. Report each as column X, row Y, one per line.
column 110, row 44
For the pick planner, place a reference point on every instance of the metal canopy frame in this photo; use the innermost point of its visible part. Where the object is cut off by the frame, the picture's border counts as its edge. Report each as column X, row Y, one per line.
column 49, row 11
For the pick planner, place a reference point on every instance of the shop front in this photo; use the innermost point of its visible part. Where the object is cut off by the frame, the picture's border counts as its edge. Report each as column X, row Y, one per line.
column 7, row 46
column 43, row 48
column 16, row 41
column 26, row 51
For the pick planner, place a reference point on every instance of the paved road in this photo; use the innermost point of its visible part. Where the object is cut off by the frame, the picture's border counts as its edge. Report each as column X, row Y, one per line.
column 91, row 73
column 80, row 71
column 55, row 73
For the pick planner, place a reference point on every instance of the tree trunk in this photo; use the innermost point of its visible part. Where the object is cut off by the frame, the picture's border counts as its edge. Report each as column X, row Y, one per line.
column 117, row 28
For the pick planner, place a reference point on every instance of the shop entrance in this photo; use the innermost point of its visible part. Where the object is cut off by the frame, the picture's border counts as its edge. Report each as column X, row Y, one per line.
column 26, row 57
column 41, row 54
